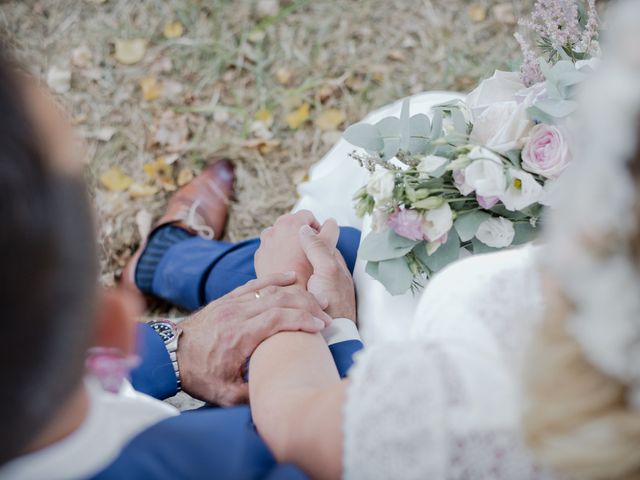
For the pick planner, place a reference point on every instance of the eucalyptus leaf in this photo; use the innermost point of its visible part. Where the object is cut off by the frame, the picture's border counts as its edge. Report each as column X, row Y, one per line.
column 372, row 269
column 378, row 246
column 364, row 136
column 525, row 232
column 419, row 129
column 445, row 255
column 514, row 157
column 459, row 122
column 436, row 124
column 405, row 127
column 395, row 275
column 480, row 248
column 467, row 225
column 389, row 127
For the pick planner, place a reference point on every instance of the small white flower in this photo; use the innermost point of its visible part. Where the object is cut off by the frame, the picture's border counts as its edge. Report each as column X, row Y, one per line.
column 437, row 223
column 381, row 185
column 496, row 232
column 432, row 163
column 523, row 190
column 486, row 173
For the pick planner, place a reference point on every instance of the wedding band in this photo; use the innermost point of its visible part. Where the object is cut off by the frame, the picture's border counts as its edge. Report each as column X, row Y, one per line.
column 257, row 294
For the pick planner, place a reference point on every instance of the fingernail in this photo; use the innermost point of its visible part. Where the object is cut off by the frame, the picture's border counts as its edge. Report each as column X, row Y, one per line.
column 323, row 301
column 319, row 323
column 290, row 275
column 307, row 231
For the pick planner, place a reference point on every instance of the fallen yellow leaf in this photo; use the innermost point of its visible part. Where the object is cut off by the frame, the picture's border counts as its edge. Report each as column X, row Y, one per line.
column 173, row 30
column 159, row 170
column 137, row 190
column 184, row 176
column 151, row 88
column 297, row 118
column 477, row 12
column 115, row 180
column 131, row 51
column 263, row 115
column 330, row 119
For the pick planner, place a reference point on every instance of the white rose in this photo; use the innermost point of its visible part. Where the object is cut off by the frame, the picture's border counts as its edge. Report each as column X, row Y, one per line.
column 437, row 223
column 496, row 232
column 381, row 185
column 486, row 173
column 502, row 87
column 523, row 190
column 502, row 126
column 432, row 163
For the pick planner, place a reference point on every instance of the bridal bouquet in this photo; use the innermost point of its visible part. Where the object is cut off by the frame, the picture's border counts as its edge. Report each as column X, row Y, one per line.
column 474, row 176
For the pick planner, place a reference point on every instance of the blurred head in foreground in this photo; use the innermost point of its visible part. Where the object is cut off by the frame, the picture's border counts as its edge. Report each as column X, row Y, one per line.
column 583, row 376
column 50, row 303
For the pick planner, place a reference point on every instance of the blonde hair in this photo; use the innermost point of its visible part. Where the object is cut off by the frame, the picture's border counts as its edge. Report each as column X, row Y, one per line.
column 578, row 420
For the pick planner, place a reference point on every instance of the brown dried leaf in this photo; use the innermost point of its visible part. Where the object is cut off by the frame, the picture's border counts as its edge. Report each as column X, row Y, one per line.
column 330, row 119
column 477, row 12
column 284, row 75
column 184, row 176
column 170, row 131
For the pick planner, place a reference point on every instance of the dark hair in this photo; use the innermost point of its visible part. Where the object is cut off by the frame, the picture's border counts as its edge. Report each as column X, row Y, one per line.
column 48, row 275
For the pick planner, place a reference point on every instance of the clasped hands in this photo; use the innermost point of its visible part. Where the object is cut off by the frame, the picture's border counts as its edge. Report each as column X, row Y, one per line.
column 302, row 284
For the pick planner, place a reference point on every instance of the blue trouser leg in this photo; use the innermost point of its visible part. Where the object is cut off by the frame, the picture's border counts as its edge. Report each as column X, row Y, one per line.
column 196, row 271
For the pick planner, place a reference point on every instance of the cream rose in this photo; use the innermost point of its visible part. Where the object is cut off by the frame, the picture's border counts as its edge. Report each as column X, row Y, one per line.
column 496, row 232
column 502, row 126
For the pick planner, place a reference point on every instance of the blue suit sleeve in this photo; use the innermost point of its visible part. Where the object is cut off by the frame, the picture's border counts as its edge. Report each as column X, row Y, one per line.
column 209, row 443
column 155, row 375
column 343, row 353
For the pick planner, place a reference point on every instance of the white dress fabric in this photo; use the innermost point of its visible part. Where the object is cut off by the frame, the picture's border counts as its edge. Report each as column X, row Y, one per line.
column 435, row 393
column 444, row 403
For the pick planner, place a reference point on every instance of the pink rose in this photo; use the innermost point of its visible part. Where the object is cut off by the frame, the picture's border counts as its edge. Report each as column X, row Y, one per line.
column 546, row 152
column 407, row 223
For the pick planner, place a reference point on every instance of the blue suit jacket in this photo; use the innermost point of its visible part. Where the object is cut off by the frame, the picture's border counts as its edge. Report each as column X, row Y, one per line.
column 220, row 443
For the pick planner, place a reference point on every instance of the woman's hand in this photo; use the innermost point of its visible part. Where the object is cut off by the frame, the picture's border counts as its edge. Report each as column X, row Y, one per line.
column 280, row 249
column 331, row 280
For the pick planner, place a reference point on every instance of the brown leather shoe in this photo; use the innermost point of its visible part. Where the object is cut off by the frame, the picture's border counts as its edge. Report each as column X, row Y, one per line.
column 200, row 207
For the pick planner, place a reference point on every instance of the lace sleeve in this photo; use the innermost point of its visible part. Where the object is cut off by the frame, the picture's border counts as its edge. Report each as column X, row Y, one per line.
column 394, row 415
column 419, row 410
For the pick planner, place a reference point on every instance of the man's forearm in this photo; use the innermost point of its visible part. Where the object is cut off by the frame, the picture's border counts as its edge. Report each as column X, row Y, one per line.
column 296, row 398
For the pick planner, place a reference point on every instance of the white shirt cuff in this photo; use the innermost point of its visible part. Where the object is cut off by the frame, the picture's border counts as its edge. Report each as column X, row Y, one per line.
column 341, row 330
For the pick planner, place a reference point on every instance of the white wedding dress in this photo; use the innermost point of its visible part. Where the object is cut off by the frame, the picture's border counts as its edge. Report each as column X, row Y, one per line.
column 436, row 392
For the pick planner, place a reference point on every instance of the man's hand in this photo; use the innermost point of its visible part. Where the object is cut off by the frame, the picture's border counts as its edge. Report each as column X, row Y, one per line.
column 331, row 280
column 280, row 249
column 217, row 341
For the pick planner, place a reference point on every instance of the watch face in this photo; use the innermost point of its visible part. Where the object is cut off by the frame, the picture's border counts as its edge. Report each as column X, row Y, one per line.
column 165, row 330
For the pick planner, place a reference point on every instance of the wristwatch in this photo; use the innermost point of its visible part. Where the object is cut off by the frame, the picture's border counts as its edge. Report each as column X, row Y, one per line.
column 169, row 333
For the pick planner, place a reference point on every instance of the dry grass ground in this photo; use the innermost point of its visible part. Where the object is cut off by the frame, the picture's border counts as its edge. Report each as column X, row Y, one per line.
column 226, row 86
